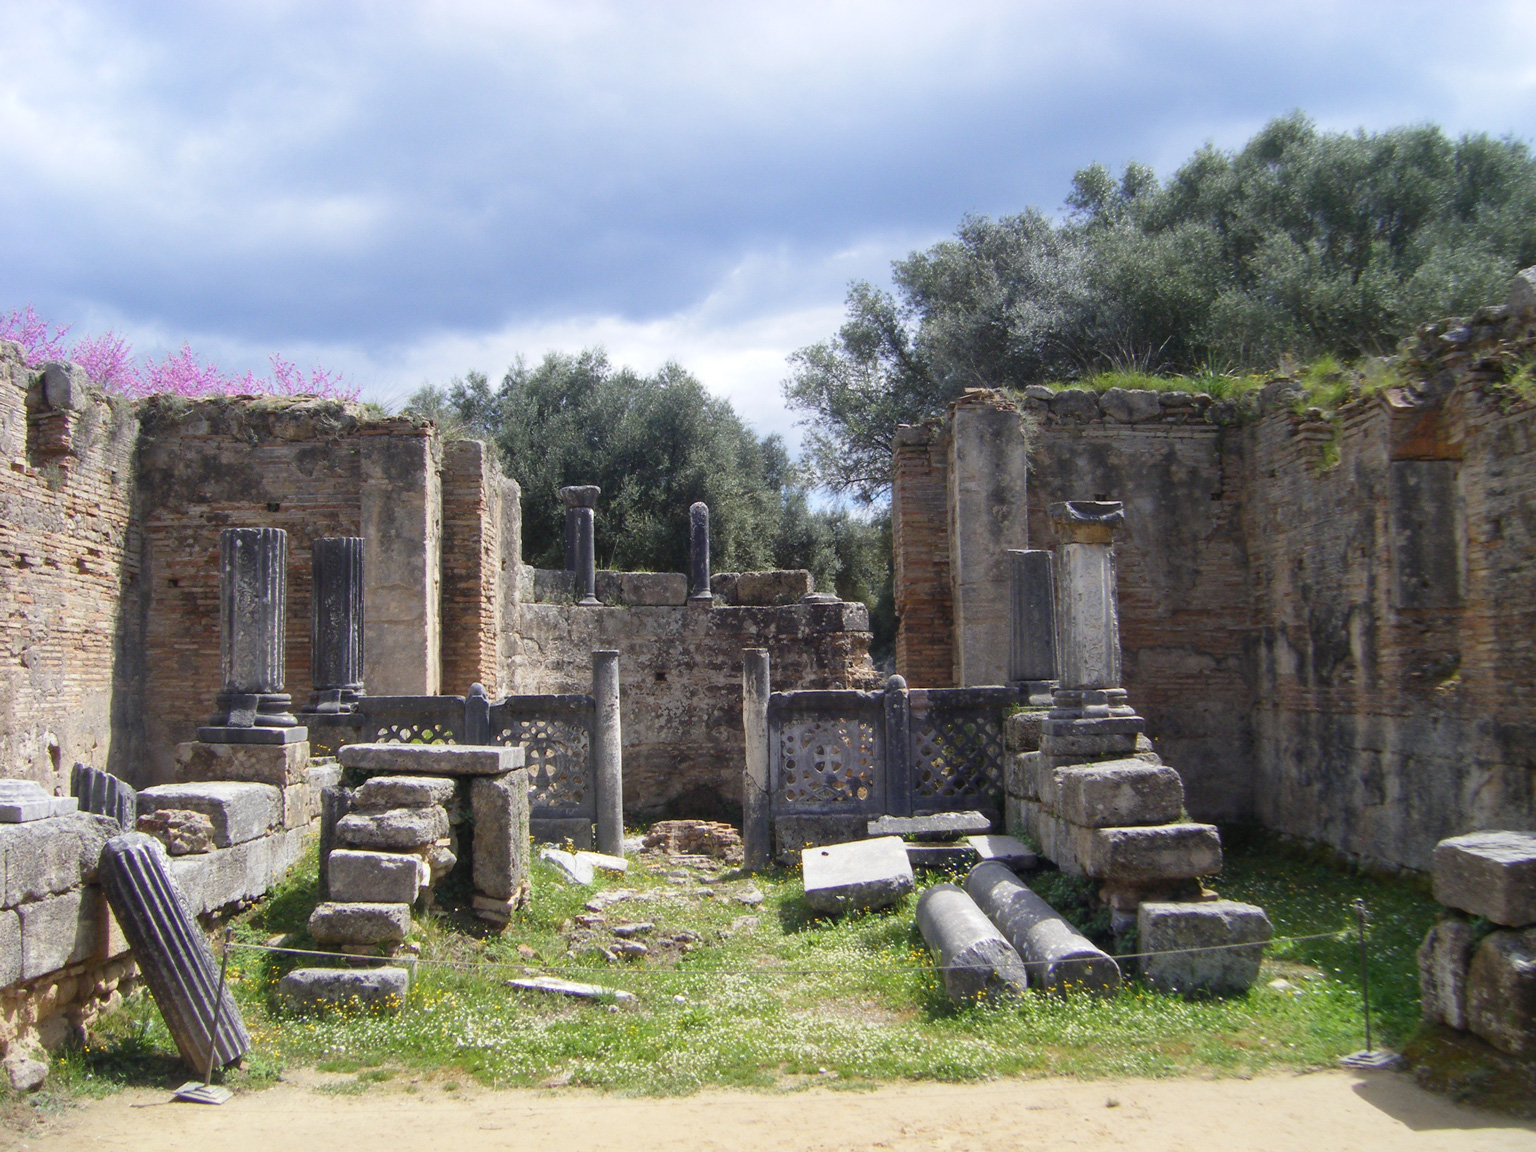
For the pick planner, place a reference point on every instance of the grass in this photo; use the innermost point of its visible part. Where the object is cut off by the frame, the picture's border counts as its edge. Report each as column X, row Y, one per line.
column 773, row 996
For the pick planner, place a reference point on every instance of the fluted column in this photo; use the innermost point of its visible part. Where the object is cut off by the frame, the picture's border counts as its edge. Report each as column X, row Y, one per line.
column 336, row 624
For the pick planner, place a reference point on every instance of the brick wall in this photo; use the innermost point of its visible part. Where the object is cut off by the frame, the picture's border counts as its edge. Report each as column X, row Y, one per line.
column 472, row 614
column 920, row 535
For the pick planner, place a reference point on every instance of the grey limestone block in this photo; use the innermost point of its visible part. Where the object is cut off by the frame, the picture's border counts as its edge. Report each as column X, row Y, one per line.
column 432, row 759
column 379, row 988
column 377, row 877
column 937, row 826
column 1130, row 405
column 323, row 775
column 1117, row 793
column 1145, row 855
column 1181, row 929
column 1097, row 738
column 974, row 960
column 1057, row 956
column 502, row 846
column 213, row 880
column 57, row 931
column 382, row 793
column 360, row 924
column 10, row 948
column 1005, row 850
column 23, row 801
column 653, row 589
column 279, row 765
column 1501, row 992
column 1021, row 730
column 558, row 829
column 1489, row 874
column 240, row 811
column 570, row 865
column 399, row 829
column 1443, row 960
column 780, row 586
column 861, row 875
column 1020, row 775
column 47, row 857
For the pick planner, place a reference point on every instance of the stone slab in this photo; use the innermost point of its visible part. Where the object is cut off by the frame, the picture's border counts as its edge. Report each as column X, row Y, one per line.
column 1488, row 874
column 48, row 857
column 940, row 856
column 377, row 877
column 569, row 865
column 1501, row 992
column 183, row 833
column 1005, row 850
column 1144, row 855
column 216, row 879
column 10, row 948
column 381, row 793
column 938, row 826
column 432, row 759
column 399, row 829
column 240, row 811
column 23, row 801
column 58, row 931
column 1182, row 930
column 277, row 764
column 605, row 863
column 217, row 734
column 780, row 586
column 571, row 988
column 502, row 846
column 1443, row 960
column 857, row 876
column 377, row 988
column 360, row 924
column 1118, row 793
column 653, row 589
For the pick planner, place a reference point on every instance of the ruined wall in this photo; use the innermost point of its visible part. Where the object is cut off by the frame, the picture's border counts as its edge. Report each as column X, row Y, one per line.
column 920, row 539
column 68, row 555
column 482, row 544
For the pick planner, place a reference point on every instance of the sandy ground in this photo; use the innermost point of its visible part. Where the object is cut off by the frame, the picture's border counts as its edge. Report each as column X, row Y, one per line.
column 1315, row 1113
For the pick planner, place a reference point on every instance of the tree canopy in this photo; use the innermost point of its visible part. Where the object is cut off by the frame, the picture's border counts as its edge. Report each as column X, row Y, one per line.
column 1301, row 243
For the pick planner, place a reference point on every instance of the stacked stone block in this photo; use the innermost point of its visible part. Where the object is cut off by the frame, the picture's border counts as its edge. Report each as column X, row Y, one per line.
column 1475, row 980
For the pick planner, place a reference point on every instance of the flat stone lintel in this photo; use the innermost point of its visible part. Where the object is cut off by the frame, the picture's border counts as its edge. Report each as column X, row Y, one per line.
column 433, row 759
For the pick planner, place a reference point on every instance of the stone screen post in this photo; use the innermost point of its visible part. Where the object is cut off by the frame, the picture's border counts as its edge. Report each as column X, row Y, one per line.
column 336, row 623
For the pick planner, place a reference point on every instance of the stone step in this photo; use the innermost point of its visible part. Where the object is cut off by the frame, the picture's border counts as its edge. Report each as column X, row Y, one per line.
column 360, row 924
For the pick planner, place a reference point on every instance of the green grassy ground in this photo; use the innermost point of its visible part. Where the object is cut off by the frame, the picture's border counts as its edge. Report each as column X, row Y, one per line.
column 773, row 996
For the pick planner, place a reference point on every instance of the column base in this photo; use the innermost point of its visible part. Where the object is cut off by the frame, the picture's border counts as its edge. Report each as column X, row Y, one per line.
column 252, row 710
column 332, row 701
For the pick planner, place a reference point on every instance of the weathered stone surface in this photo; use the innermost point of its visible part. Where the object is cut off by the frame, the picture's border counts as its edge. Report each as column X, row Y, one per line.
column 47, row 857
column 104, row 794
column 239, row 811
column 938, row 826
column 974, row 960
column 1056, row 955
column 1118, row 793
column 1031, row 616
column 1020, row 773
column 782, row 586
column 23, row 801
column 360, row 924
column 378, row 988
column 653, row 589
column 213, row 880
column 695, row 838
column 24, row 1073
column 336, row 622
column 1489, row 874
column 502, row 846
column 10, row 948
column 183, row 832
column 1182, row 929
column 570, row 988
column 275, row 764
column 377, row 877
column 862, row 875
column 1501, row 992
column 432, row 759
column 1021, row 730
column 57, row 931
column 322, row 775
column 1005, row 850
column 399, row 829
column 1130, row 405
column 382, row 793
column 1443, row 960
column 1141, row 855
column 569, row 865
column 603, row 862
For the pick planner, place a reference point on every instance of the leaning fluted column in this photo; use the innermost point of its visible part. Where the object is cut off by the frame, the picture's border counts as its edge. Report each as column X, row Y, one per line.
column 698, row 551
column 580, row 500
column 336, row 623
column 608, row 753
column 756, row 829
column 252, row 707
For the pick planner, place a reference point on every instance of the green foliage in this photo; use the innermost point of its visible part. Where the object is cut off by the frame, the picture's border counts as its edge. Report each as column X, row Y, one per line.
column 1300, row 244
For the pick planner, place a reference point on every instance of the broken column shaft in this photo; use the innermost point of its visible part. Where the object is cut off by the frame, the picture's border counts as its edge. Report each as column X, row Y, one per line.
column 698, row 551
column 1057, row 956
column 336, row 623
column 580, row 500
column 756, row 830
column 1032, row 621
column 253, row 611
column 973, row 959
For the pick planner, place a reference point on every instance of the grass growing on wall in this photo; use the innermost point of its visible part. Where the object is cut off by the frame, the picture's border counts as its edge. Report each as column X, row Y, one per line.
column 774, row 996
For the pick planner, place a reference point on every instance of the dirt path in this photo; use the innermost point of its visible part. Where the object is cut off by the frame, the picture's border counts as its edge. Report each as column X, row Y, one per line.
column 1315, row 1113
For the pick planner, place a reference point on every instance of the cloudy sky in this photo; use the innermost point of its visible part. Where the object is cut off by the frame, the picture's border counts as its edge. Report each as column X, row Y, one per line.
column 407, row 191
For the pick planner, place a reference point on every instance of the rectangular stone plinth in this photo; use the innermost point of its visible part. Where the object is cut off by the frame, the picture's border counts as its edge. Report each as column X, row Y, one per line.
column 360, row 924
column 239, row 811
column 212, row 880
column 1021, row 731
column 432, row 759
column 938, row 826
column 23, row 801
column 225, row 735
column 1118, row 793
column 1501, row 992
column 858, row 876
column 384, row 792
column 502, row 849
column 1019, row 775
column 654, row 589
column 1147, row 855
column 1489, row 874
column 377, row 877
column 277, row 764
column 1197, row 945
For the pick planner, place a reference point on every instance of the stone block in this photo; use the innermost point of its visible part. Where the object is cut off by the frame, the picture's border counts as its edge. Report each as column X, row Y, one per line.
column 1117, row 793
column 1014, row 819
column 377, row 877
column 23, row 801
column 502, row 847
column 1488, row 874
column 360, row 924
column 1021, row 731
column 858, row 876
column 1443, row 960
column 783, row 586
column 1148, row 855
column 1501, row 992
column 384, row 792
column 937, row 826
column 399, row 829
column 1005, row 850
column 10, row 948
column 1020, row 771
column 183, row 832
column 300, row 805
column 377, row 988
column 1130, row 405
column 653, row 589
column 47, row 857
column 432, row 759
column 569, row 865
column 1103, row 738
column 276, row 764
column 216, row 879
column 559, row 829
column 792, row 833
column 57, row 931
column 322, row 775
column 239, row 811
column 1181, row 930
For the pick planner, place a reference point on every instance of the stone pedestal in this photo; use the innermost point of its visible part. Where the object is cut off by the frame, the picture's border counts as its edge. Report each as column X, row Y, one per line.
column 698, row 551
column 579, row 501
column 336, row 624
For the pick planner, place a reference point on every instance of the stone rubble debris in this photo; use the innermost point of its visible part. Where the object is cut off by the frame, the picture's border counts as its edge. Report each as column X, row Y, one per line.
column 570, row 865
column 570, row 988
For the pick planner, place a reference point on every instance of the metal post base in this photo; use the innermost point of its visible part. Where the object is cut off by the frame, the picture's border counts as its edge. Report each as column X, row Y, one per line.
column 1377, row 1059
column 196, row 1092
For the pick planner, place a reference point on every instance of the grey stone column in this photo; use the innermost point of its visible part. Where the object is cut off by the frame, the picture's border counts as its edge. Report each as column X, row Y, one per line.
column 570, row 539
column 608, row 753
column 1087, row 614
column 1032, row 622
column 698, row 551
column 336, row 623
column 756, row 828
column 251, row 707
column 579, row 501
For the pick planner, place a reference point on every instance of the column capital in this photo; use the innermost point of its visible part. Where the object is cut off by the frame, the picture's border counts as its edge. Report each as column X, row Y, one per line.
column 1087, row 521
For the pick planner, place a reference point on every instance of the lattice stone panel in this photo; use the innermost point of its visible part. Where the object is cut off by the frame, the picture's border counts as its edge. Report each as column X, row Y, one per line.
column 830, row 760
column 957, row 755
column 413, row 734
column 558, row 755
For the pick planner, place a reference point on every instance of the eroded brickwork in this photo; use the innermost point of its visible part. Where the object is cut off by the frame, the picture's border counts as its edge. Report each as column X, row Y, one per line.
column 925, row 610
